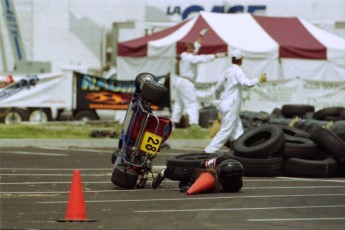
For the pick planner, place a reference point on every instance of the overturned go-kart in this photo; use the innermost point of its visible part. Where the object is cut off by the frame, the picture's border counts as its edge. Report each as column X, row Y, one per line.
column 142, row 134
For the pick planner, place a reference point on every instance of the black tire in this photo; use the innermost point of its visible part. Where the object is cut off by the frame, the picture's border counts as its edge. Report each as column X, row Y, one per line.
column 140, row 77
column 339, row 129
column 326, row 112
column 189, row 160
column 332, row 144
column 124, row 178
column 324, row 166
column 261, row 142
column 16, row 115
column 277, row 113
column 86, row 115
column 299, row 147
column 294, row 131
column 207, row 116
column 280, row 121
column 154, row 92
column 180, row 167
column 342, row 114
column 296, row 110
column 40, row 115
column 113, row 156
column 310, row 125
column 259, row 167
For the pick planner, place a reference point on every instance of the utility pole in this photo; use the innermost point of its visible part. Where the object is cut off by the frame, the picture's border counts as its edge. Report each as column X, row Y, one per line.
column 13, row 30
column 3, row 52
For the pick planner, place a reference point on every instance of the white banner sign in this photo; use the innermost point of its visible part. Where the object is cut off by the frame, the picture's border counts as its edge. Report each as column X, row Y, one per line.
column 275, row 94
column 41, row 90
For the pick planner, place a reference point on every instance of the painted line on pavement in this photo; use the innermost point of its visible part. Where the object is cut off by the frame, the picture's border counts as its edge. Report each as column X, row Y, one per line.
column 38, row 154
column 169, row 181
column 198, row 198
column 292, row 179
column 238, row 209
column 74, row 149
column 62, row 192
column 308, row 179
column 297, row 219
column 59, row 174
column 59, row 182
column 55, row 169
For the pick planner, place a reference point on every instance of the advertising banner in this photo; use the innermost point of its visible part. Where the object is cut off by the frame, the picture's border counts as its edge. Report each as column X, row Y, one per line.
column 275, row 94
column 94, row 92
column 37, row 90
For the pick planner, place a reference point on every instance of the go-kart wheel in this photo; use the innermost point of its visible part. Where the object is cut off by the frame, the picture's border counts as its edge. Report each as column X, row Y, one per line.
column 124, row 178
column 114, row 155
column 142, row 76
column 113, row 158
column 154, row 92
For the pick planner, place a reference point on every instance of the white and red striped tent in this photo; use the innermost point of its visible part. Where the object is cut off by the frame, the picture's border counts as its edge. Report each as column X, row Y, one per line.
column 284, row 48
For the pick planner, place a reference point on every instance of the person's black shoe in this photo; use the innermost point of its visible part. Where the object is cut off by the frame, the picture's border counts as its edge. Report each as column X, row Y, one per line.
column 158, row 179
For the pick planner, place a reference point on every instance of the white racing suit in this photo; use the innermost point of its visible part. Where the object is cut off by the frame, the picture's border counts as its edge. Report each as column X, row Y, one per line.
column 185, row 92
column 230, row 84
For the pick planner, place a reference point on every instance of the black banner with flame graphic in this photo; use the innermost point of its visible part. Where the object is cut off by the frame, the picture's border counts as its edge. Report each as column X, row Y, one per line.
column 98, row 93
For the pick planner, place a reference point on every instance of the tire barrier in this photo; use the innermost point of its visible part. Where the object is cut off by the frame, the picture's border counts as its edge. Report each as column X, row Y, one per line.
column 298, row 153
column 332, row 144
column 339, row 129
column 331, row 113
column 297, row 116
column 307, row 133
column 290, row 141
column 274, row 150
column 322, row 166
column 261, row 142
column 296, row 110
column 269, row 167
column 180, row 167
column 299, row 147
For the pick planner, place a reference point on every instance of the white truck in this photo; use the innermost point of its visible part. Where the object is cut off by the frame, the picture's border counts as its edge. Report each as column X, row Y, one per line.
column 44, row 97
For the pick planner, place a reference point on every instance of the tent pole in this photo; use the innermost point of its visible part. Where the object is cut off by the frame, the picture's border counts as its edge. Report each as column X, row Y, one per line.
column 3, row 53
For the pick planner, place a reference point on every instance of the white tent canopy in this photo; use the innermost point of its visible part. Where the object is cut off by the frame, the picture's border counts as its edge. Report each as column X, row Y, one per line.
column 284, row 48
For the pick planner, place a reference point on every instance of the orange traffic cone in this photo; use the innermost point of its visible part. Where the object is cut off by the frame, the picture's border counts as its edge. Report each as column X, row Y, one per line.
column 203, row 183
column 76, row 210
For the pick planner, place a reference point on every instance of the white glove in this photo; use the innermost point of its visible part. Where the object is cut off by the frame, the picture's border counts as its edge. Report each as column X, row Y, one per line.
column 203, row 32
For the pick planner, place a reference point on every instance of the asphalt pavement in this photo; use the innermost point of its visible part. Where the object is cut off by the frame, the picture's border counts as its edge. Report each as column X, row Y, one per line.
column 96, row 143
column 35, row 182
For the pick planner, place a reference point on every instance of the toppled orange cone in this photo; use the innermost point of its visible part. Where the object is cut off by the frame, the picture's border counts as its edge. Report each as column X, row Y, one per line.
column 76, row 210
column 203, row 183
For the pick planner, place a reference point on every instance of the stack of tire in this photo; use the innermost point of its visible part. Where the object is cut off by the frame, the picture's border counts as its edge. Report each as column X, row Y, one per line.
column 274, row 145
column 260, row 151
column 309, row 120
column 273, row 150
column 300, row 116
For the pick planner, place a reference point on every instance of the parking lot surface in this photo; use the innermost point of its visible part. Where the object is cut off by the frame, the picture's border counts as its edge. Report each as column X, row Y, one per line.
column 35, row 187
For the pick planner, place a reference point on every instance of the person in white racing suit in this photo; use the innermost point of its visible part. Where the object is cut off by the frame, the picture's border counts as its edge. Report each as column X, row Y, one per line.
column 185, row 92
column 230, row 87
